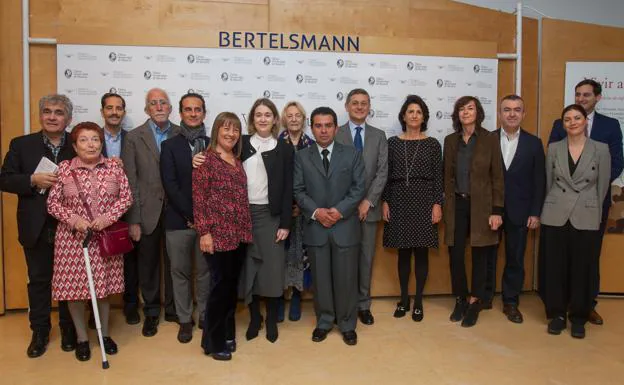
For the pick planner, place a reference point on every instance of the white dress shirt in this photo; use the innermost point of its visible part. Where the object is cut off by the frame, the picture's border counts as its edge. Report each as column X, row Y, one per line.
column 509, row 145
column 590, row 122
column 257, row 181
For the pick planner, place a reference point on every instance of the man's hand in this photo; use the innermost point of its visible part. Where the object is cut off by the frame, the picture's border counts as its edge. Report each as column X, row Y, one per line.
column 82, row 225
column 533, row 222
column 323, row 217
column 135, row 231
column 363, row 208
column 198, row 160
column 43, row 180
column 495, row 222
column 99, row 223
column 334, row 214
column 436, row 214
column 206, row 244
column 281, row 235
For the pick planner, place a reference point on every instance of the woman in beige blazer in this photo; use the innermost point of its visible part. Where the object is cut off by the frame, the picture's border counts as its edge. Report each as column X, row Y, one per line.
column 577, row 179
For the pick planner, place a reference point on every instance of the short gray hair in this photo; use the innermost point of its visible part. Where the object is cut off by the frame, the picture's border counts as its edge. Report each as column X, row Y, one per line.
column 156, row 89
column 57, row 99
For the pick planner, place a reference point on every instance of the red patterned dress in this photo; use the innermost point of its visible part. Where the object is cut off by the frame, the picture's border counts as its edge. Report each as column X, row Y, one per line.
column 108, row 194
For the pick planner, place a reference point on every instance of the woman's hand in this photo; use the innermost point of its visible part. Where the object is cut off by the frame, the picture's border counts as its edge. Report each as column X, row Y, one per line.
column 385, row 211
column 206, row 244
column 436, row 214
column 495, row 222
column 282, row 234
column 99, row 223
column 82, row 225
column 199, row 159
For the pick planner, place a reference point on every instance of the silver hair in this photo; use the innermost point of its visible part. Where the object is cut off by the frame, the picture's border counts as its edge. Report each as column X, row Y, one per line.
column 57, row 99
column 155, row 89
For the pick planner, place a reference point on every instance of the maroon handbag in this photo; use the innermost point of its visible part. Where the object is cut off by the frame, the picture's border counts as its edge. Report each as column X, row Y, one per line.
column 113, row 240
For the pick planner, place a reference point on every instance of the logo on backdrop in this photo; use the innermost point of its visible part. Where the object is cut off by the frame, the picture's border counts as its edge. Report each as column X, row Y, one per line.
column 147, row 75
column 340, row 63
column 476, row 68
column 266, row 60
column 410, row 65
column 371, row 80
column 339, row 96
column 440, row 83
column 299, row 78
column 224, row 76
column 190, row 58
column 68, row 73
column 266, row 94
column 112, row 90
column 112, row 56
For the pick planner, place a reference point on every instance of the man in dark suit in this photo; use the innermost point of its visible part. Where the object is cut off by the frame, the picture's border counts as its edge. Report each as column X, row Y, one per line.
column 113, row 112
column 606, row 130
column 329, row 184
column 523, row 159
column 182, row 240
column 371, row 143
column 36, row 228
column 141, row 158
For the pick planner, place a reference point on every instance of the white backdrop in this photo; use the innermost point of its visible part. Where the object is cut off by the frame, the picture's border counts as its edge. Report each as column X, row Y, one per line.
column 611, row 76
column 231, row 79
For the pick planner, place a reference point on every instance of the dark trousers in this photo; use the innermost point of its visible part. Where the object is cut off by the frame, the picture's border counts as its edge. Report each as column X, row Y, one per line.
column 219, row 323
column 151, row 246
column 40, row 261
column 513, row 274
column 421, row 270
column 457, row 256
column 335, row 285
column 596, row 281
column 131, row 280
column 568, row 256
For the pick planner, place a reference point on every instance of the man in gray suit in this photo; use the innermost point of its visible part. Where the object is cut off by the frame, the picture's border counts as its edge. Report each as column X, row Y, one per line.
column 141, row 158
column 371, row 142
column 328, row 186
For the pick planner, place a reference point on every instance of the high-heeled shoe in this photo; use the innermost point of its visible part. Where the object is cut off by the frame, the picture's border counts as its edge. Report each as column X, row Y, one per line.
column 271, row 319
column 255, row 320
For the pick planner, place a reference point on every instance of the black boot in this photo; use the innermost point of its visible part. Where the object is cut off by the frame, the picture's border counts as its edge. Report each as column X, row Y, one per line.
column 271, row 318
column 255, row 319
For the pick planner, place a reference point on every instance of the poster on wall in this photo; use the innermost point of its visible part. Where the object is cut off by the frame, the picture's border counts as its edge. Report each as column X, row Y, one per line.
column 231, row 79
column 611, row 76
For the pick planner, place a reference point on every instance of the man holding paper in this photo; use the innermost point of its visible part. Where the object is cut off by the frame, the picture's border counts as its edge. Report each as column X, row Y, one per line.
column 29, row 171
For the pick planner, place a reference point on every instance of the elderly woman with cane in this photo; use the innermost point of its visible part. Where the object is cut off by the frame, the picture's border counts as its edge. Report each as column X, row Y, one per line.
column 92, row 193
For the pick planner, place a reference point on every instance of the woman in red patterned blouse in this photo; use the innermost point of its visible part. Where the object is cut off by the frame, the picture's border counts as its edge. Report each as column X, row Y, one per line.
column 104, row 186
column 223, row 221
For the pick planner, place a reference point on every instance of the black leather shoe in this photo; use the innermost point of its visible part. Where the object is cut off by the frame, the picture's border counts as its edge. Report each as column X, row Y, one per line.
column 132, row 316
column 418, row 314
column 472, row 315
column 513, row 313
column 230, row 346
column 91, row 322
column 350, row 337
column 595, row 318
column 400, row 310
column 172, row 318
column 38, row 344
column 556, row 325
column 319, row 335
column 110, row 347
column 366, row 317
column 150, row 326
column 185, row 333
column 222, row 356
column 486, row 305
column 578, row 331
column 460, row 309
column 83, row 351
column 68, row 339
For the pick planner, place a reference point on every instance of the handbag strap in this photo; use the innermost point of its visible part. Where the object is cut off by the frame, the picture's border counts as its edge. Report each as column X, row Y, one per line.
column 81, row 194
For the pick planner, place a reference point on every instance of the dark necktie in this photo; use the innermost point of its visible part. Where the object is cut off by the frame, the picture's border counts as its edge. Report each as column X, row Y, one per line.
column 325, row 152
column 357, row 141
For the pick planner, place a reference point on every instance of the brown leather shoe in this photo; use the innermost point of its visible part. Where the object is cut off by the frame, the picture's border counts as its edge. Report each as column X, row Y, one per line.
column 595, row 318
column 513, row 313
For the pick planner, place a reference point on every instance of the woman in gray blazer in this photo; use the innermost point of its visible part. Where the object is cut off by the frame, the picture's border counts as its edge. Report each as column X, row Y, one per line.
column 577, row 178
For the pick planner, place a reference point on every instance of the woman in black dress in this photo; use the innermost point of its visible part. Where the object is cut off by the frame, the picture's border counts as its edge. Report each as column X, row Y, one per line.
column 412, row 199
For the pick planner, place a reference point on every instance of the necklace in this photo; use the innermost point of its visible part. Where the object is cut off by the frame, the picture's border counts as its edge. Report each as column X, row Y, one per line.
column 408, row 168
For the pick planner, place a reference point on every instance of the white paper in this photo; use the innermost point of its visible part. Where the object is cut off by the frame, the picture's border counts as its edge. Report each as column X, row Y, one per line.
column 45, row 165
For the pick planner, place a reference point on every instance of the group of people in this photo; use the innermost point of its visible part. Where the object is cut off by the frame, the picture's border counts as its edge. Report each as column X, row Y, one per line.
column 242, row 216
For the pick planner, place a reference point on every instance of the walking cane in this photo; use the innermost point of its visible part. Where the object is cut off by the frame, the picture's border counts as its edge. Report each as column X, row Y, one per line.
column 96, row 313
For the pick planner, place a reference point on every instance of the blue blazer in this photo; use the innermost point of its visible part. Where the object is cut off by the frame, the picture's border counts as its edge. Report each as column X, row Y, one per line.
column 605, row 130
column 123, row 138
column 176, row 172
column 525, row 180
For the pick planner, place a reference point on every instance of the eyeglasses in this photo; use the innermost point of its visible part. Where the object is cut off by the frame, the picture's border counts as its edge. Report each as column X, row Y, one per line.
column 161, row 102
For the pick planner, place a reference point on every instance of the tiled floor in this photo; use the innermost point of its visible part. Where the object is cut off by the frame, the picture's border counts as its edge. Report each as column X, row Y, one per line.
column 392, row 351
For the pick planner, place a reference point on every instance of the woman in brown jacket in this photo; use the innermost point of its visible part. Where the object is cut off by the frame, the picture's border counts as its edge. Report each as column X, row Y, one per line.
column 473, row 193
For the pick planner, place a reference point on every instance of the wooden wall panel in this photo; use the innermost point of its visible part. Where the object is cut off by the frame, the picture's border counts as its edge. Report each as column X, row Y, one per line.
column 420, row 27
column 565, row 41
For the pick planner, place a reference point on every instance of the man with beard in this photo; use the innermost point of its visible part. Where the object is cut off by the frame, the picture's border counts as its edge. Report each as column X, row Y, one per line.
column 141, row 158
column 182, row 240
